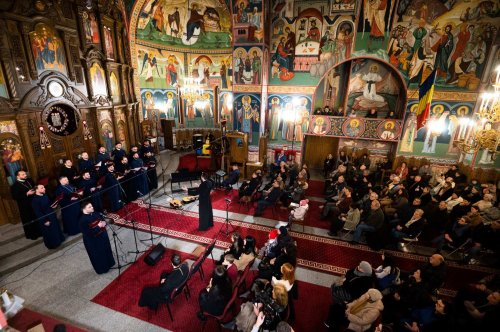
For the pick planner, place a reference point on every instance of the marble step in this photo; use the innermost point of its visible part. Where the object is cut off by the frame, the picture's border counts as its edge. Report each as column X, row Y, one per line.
column 32, row 254
column 11, row 232
column 18, row 245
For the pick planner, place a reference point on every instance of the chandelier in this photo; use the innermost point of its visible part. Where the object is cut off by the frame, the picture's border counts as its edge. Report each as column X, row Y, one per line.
column 484, row 134
column 191, row 89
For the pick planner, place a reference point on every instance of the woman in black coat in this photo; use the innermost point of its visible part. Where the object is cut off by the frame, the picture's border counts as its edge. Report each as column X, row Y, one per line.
column 215, row 297
column 205, row 207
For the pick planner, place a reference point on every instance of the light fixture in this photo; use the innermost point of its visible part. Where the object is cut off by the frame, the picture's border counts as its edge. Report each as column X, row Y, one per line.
column 191, row 89
column 483, row 133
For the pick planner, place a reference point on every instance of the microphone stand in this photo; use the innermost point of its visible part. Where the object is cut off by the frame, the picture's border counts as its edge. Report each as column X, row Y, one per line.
column 227, row 222
column 148, row 212
column 115, row 239
column 133, row 222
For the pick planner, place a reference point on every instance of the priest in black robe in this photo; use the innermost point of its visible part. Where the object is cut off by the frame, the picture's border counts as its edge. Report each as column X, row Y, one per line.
column 140, row 179
column 95, row 239
column 133, row 150
column 118, row 153
column 86, row 164
column 22, row 191
column 126, row 180
column 205, row 207
column 152, row 296
column 113, row 189
column 145, row 148
column 70, row 206
column 46, row 218
column 69, row 171
column 150, row 161
column 100, row 159
column 91, row 191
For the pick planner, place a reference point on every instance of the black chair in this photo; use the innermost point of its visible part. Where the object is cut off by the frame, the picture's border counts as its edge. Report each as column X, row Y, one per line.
column 183, row 288
column 209, row 249
column 241, row 283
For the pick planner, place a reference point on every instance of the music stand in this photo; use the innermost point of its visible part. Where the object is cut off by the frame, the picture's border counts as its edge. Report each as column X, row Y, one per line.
column 115, row 238
column 227, row 222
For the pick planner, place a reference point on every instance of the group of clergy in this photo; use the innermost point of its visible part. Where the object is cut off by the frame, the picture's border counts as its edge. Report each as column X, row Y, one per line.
column 118, row 176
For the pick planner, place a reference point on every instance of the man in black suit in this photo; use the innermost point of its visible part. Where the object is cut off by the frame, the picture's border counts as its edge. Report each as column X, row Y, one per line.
column 22, row 191
column 232, row 178
column 152, row 296
column 411, row 228
column 270, row 199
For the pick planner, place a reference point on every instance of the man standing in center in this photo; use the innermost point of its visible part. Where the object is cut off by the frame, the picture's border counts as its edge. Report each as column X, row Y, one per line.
column 205, row 207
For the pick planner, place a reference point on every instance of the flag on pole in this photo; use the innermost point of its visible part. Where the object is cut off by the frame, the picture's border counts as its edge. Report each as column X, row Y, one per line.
column 425, row 92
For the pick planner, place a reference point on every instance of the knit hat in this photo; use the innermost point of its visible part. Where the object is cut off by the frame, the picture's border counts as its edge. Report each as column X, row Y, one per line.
column 374, row 294
column 283, row 230
column 273, row 234
column 365, row 267
column 304, row 202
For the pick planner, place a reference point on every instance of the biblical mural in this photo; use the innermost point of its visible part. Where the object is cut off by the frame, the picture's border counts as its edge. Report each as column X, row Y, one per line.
column 248, row 21
column 226, row 109
column 106, row 129
column 304, row 47
column 287, row 118
column 374, row 24
column 247, row 65
column 196, row 24
column 90, row 27
column 372, row 86
column 211, row 70
column 165, row 101
column 448, row 123
column 453, row 37
column 48, row 49
column 115, row 87
column 199, row 112
column 97, row 78
column 160, row 69
column 331, row 91
column 247, row 115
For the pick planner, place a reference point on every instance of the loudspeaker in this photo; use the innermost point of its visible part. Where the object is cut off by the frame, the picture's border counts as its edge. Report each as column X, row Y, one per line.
column 193, row 191
column 155, row 255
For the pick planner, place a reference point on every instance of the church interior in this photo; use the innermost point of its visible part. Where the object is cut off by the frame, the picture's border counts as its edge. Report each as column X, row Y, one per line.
column 249, row 165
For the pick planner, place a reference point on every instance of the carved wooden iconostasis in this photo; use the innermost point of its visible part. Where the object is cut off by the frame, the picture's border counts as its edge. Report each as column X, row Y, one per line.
column 65, row 86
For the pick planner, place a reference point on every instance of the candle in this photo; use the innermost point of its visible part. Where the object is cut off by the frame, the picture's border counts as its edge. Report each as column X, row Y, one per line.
column 6, row 300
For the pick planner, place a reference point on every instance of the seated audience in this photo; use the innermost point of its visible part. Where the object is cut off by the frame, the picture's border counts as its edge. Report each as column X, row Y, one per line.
column 329, row 164
column 347, row 221
column 297, row 213
column 338, row 207
column 287, row 278
column 270, row 199
column 248, row 254
column 235, row 249
column 433, row 272
column 216, row 295
column 248, row 187
column 373, row 223
column 402, row 171
column 231, row 268
column 153, row 296
column 411, row 228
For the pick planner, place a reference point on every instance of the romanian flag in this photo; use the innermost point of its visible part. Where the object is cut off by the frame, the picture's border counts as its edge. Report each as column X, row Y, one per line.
column 425, row 92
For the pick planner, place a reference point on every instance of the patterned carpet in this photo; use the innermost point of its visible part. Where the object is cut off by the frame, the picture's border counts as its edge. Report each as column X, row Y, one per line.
column 314, row 252
column 123, row 295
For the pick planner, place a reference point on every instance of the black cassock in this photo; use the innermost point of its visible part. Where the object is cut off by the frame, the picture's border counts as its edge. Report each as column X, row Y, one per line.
column 96, row 242
column 87, row 165
column 92, row 196
column 19, row 190
column 70, row 173
column 52, row 234
column 102, row 158
column 205, row 211
column 117, row 156
column 113, row 190
column 126, row 182
column 70, row 209
column 152, row 176
column 140, row 179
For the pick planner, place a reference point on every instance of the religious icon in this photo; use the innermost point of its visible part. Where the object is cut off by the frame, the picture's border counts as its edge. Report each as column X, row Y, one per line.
column 115, row 88
column 170, row 112
column 434, row 128
column 90, row 27
column 275, row 118
column 108, row 38
column 12, row 158
column 3, row 85
column 107, row 135
column 388, row 132
column 97, row 79
column 319, row 126
column 248, row 115
column 353, row 127
column 48, row 49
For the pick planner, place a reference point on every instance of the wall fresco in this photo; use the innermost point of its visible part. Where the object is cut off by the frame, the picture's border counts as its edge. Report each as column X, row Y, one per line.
column 248, row 21
column 48, row 49
column 247, row 115
column 165, row 101
column 212, row 70
column 247, row 65
column 160, row 69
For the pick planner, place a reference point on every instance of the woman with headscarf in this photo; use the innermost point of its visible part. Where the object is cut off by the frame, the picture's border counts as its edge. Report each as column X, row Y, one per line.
column 364, row 311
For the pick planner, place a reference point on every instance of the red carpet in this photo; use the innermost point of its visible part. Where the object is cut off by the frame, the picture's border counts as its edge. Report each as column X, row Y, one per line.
column 192, row 163
column 123, row 295
column 312, row 218
column 314, row 252
column 27, row 319
column 315, row 188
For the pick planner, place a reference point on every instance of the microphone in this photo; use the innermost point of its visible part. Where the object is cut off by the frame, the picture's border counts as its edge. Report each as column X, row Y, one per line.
column 139, row 192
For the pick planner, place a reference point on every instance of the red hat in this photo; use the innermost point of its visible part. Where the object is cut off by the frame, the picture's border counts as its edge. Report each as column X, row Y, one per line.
column 273, row 234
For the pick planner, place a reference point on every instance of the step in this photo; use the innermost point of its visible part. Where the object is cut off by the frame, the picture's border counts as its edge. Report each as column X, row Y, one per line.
column 17, row 245
column 10, row 232
column 30, row 255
